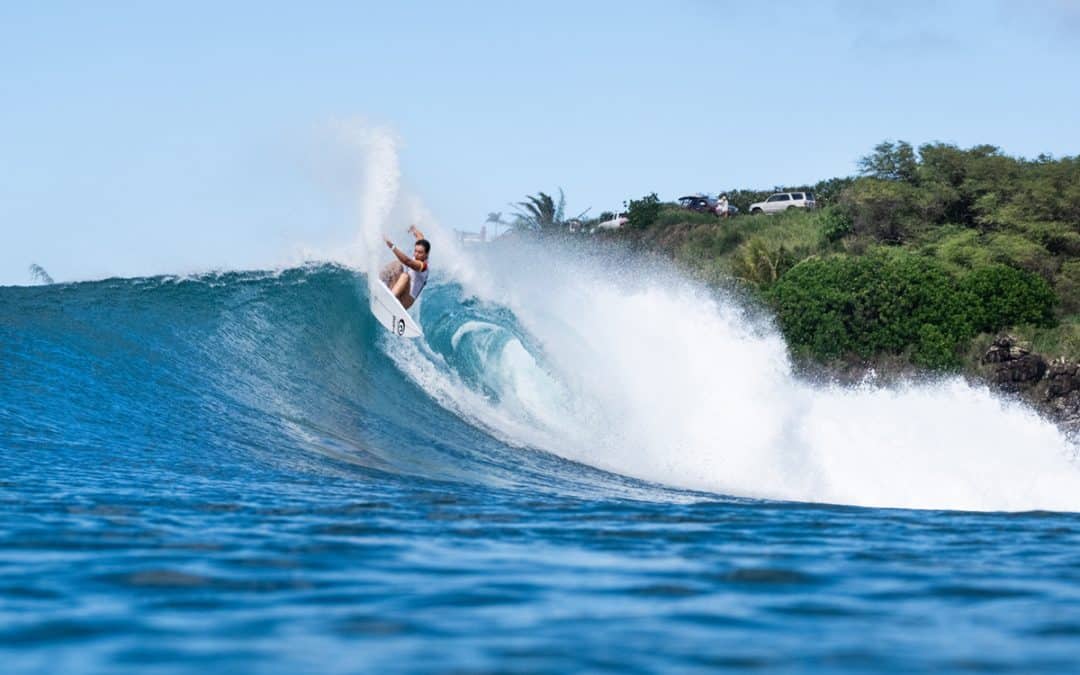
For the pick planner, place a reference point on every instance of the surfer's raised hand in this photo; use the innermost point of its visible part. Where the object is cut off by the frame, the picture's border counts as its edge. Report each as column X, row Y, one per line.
column 389, row 244
column 415, row 232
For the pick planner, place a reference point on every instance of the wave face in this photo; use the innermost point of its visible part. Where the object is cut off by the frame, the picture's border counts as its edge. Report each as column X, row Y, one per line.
column 219, row 370
column 640, row 383
column 587, row 465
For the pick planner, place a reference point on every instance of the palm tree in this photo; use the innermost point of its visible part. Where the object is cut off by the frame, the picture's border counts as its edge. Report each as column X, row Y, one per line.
column 539, row 213
column 495, row 217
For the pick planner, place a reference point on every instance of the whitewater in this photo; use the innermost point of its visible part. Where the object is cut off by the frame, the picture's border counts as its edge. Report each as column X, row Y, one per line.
column 590, row 462
column 625, row 365
column 628, row 368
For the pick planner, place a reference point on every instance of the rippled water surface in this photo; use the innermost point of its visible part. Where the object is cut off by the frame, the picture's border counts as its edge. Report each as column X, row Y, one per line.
column 220, row 473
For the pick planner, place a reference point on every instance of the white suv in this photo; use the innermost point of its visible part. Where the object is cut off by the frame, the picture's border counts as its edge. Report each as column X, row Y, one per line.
column 782, row 201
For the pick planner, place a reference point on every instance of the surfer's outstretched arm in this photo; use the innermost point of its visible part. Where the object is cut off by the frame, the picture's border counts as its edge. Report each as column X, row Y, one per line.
column 402, row 256
column 416, row 233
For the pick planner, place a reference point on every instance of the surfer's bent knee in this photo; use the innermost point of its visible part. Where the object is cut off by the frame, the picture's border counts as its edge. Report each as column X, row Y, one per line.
column 390, row 273
column 401, row 288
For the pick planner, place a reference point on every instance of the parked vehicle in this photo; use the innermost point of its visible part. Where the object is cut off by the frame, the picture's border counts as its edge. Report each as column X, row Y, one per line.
column 704, row 204
column 782, row 201
column 613, row 223
column 699, row 203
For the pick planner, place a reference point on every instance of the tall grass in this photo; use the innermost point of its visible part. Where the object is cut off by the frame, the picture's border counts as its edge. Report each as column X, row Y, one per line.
column 719, row 242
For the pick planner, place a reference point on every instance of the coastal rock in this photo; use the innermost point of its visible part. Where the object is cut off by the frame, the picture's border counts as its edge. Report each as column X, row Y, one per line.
column 1005, row 348
column 1015, row 367
column 1062, row 379
column 1020, row 373
column 1053, row 388
column 1065, row 410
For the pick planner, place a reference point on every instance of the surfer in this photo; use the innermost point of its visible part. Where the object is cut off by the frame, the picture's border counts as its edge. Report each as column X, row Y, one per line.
column 405, row 277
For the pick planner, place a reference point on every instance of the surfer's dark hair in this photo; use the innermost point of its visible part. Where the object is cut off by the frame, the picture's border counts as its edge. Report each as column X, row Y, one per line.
column 425, row 243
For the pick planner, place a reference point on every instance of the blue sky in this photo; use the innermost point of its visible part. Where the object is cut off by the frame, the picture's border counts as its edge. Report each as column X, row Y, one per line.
column 137, row 138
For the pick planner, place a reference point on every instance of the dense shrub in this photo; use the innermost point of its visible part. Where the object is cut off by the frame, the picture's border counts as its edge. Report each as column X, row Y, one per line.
column 1067, row 287
column 1048, row 189
column 885, row 211
column 1001, row 296
column 1058, row 239
column 899, row 302
column 879, row 303
column 835, row 224
column 968, row 248
column 643, row 212
column 827, row 192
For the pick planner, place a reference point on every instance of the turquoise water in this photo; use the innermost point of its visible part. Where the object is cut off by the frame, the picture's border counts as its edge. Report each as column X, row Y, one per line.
column 242, row 472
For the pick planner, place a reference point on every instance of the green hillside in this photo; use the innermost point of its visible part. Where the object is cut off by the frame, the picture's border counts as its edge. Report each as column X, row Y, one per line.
column 925, row 256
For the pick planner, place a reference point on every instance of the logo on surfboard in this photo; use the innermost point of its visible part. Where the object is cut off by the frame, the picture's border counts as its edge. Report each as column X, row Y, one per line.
column 389, row 312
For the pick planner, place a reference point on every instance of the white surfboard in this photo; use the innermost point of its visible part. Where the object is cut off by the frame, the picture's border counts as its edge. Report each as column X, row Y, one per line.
column 390, row 313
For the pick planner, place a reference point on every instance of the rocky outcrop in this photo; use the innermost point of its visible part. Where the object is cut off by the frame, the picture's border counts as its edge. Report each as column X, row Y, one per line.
column 1063, row 378
column 1063, row 393
column 1015, row 368
column 1052, row 387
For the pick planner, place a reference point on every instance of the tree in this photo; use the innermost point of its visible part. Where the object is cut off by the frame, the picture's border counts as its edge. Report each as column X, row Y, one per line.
column 643, row 212
column 828, row 191
column 495, row 218
column 542, row 215
column 891, row 161
column 884, row 210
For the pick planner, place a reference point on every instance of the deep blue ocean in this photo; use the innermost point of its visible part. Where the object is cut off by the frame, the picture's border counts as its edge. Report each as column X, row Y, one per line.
column 243, row 472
